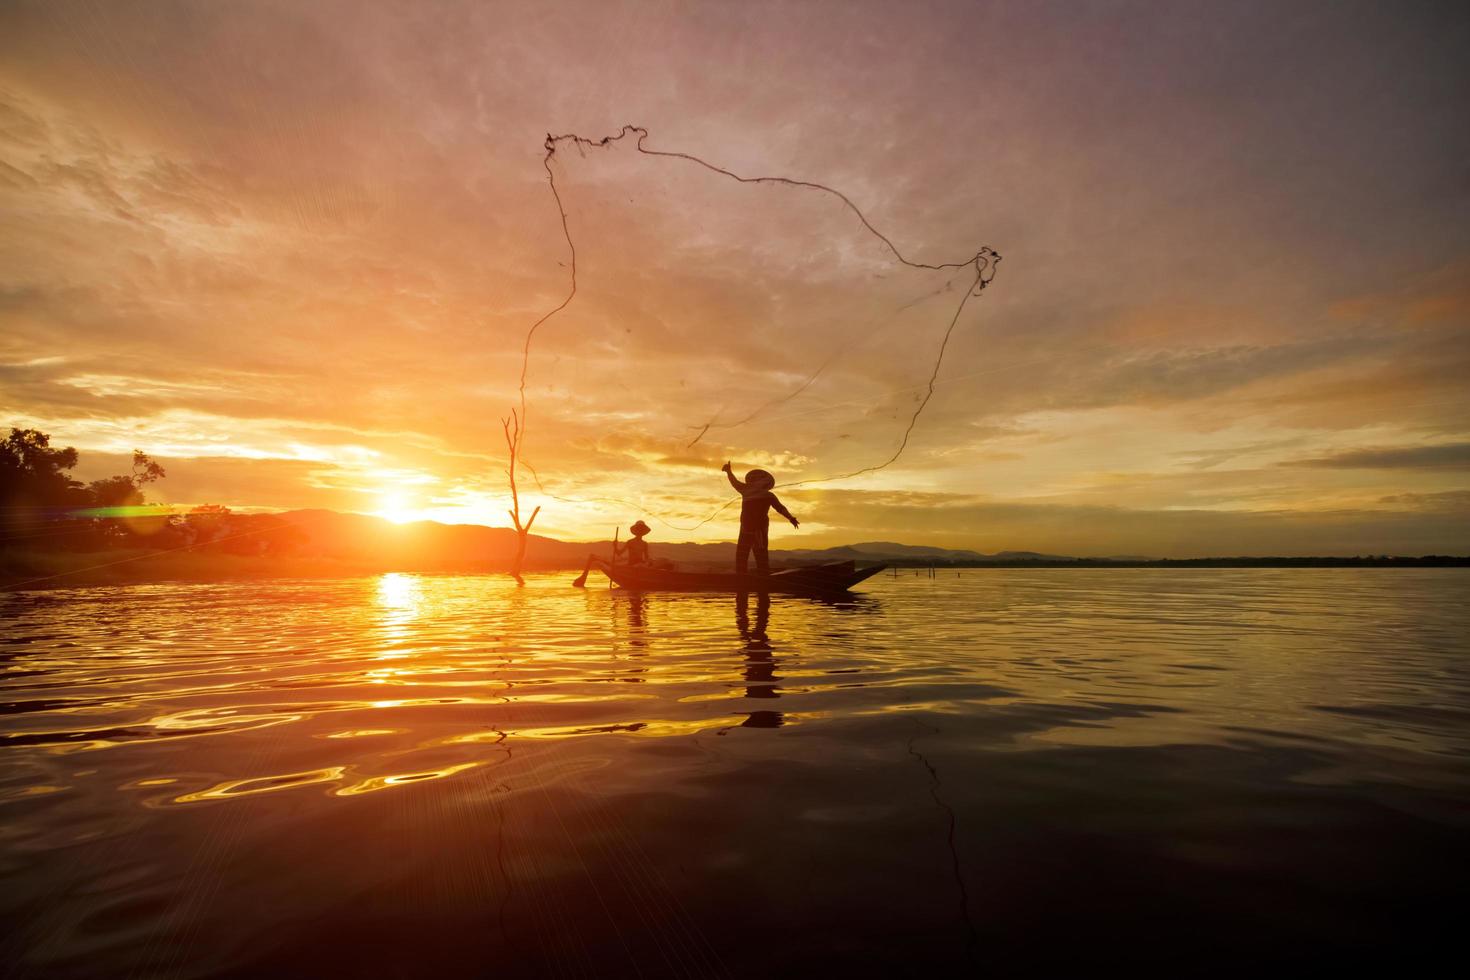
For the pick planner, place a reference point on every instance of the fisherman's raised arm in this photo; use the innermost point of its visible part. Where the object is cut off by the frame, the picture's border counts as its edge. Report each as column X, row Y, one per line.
column 739, row 487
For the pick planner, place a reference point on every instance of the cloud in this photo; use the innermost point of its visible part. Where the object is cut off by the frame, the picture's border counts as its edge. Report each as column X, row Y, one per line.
column 1206, row 459
column 1091, row 530
column 1181, row 375
column 295, row 229
column 1450, row 456
column 1439, row 297
column 1446, row 502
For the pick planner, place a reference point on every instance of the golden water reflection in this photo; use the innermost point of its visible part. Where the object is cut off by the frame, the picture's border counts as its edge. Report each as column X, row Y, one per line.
column 584, row 767
column 400, row 597
column 1033, row 659
column 760, row 662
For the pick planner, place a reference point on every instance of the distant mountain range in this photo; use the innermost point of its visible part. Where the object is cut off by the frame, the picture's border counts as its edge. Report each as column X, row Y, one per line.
column 356, row 537
column 428, row 545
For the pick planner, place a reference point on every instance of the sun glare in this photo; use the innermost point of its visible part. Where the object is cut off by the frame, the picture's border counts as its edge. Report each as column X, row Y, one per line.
column 395, row 507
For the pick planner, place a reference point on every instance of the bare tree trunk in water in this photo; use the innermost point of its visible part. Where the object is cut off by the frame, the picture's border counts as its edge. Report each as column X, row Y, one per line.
column 512, row 427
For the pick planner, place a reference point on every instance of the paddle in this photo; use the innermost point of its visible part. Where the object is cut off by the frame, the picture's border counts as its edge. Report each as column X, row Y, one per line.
column 580, row 582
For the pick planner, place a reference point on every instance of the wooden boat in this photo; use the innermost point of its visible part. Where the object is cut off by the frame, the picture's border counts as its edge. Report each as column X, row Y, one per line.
column 833, row 578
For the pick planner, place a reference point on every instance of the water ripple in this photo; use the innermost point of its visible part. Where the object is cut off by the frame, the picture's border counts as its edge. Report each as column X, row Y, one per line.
column 163, row 746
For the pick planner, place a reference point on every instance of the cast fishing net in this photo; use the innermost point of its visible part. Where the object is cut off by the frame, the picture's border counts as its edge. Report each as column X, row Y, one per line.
column 713, row 315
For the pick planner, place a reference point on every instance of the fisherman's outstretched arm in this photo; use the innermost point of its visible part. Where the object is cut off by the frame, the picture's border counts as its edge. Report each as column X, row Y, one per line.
column 730, row 474
column 780, row 508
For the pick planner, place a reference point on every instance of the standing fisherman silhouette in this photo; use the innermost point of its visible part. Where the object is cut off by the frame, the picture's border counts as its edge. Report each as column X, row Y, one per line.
column 756, row 499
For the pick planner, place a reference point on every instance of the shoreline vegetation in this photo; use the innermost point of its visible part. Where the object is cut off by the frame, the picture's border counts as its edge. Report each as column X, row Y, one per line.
column 41, row 569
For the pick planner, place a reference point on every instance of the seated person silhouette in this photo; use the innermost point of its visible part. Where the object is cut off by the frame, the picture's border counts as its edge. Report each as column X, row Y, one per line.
column 756, row 499
column 634, row 552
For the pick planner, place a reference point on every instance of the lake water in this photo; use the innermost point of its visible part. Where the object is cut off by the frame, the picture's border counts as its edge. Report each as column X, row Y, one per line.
column 1003, row 771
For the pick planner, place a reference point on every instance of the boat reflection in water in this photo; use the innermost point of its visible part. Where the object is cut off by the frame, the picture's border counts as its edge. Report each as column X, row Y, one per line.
column 630, row 638
column 633, row 637
column 760, row 665
column 759, row 668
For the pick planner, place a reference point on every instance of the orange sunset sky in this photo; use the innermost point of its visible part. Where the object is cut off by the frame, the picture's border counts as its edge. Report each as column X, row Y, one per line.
column 292, row 251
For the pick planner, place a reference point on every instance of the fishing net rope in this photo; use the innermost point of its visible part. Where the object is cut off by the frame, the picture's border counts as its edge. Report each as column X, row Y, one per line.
column 688, row 288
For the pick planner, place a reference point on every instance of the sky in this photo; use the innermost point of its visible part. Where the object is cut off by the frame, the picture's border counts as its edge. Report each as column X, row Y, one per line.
column 292, row 251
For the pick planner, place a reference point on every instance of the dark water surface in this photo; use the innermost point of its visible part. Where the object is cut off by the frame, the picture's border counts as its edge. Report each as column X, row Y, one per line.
column 1004, row 772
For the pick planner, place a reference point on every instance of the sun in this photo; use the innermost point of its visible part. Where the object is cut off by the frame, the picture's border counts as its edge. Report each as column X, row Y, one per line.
column 396, row 507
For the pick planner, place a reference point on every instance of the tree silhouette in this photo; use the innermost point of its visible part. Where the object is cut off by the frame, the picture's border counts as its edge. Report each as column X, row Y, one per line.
column 33, row 475
column 42, row 506
column 127, row 490
column 513, row 433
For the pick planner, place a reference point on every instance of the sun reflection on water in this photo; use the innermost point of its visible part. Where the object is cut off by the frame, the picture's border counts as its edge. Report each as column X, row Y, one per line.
column 400, row 598
column 374, row 783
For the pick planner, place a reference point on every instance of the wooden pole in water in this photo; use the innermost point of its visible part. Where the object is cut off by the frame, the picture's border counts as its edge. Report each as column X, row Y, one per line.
column 614, row 562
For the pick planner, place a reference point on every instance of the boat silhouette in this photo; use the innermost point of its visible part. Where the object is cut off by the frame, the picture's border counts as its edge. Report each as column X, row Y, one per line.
column 831, row 578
